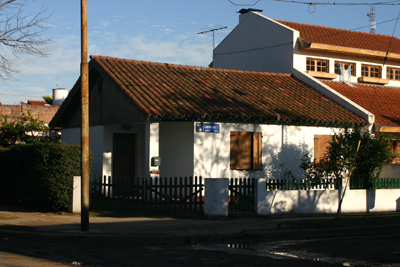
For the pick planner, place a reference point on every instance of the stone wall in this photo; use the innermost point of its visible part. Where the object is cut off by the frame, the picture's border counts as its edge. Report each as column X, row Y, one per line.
column 12, row 112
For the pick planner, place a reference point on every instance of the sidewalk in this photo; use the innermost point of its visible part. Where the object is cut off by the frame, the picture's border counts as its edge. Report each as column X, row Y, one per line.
column 157, row 230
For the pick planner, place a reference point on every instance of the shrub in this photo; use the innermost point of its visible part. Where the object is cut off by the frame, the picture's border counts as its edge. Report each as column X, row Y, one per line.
column 40, row 174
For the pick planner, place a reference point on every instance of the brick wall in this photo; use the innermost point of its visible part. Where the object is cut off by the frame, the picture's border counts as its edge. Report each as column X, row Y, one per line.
column 45, row 113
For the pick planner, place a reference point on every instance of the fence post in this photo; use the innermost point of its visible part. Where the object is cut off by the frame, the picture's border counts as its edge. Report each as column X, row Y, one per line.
column 75, row 206
column 216, row 196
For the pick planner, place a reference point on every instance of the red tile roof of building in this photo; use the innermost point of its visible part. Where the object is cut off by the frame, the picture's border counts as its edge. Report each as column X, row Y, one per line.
column 168, row 91
column 345, row 38
column 383, row 102
column 37, row 102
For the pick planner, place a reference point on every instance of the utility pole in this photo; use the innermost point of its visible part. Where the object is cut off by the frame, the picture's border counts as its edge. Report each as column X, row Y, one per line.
column 85, row 121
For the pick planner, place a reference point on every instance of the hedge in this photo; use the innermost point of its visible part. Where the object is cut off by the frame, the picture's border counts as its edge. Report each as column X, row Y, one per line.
column 39, row 175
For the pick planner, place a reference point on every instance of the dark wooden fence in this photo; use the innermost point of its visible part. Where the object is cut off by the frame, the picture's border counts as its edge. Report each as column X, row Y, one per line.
column 302, row 184
column 378, row 183
column 242, row 194
column 147, row 194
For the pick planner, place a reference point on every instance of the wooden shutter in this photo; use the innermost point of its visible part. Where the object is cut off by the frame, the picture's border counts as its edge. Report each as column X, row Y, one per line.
column 257, row 151
column 241, row 150
column 321, row 143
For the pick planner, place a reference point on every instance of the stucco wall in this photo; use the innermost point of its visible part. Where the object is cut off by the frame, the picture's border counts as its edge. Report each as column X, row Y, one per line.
column 282, row 149
column 256, row 44
column 325, row 201
column 176, row 149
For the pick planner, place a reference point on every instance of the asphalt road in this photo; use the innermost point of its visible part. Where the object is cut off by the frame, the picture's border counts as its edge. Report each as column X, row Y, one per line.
column 360, row 246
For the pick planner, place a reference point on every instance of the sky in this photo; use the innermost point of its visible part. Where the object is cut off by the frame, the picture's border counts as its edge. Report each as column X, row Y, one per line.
column 164, row 31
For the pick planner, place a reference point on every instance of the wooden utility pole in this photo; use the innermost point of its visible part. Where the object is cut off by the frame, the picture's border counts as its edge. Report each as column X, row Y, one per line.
column 85, row 121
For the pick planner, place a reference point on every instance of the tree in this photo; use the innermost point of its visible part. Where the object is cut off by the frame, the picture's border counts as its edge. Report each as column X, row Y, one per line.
column 20, row 33
column 48, row 99
column 26, row 129
column 341, row 156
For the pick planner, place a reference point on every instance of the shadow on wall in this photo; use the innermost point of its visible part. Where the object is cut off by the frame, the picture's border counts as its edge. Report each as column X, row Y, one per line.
column 286, row 163
column 398, row 204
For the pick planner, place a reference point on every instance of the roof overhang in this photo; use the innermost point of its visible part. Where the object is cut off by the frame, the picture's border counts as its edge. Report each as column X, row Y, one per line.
column 304, row 45
column 386, row 129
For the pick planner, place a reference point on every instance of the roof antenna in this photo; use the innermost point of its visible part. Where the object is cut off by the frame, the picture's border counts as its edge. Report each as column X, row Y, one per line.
column 213, row 31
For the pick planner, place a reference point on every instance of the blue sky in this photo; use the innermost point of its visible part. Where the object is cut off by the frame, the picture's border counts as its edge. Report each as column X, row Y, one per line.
column 160, row 31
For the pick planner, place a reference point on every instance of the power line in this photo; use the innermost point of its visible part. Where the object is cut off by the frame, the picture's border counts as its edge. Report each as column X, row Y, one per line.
column 341, row 4
column 290, row 43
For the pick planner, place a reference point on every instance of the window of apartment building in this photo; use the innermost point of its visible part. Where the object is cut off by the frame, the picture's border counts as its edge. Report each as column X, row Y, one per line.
column 246, row 151
column 346, row 66
column 393, row 74
column 319, row 65
column 371, row 71
column 321, row 143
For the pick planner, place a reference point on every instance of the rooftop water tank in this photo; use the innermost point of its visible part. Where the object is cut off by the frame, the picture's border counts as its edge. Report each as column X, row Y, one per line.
column 59, row 95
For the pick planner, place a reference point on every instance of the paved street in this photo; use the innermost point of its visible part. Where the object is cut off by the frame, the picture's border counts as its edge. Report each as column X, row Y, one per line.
column 37, row 239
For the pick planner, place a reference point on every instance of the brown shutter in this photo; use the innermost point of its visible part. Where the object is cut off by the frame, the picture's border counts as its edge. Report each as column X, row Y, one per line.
column 234, row 150
column 321, row 143
column 257, row 151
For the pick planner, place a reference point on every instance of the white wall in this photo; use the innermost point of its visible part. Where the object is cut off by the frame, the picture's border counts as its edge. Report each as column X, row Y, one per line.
column 106, row 154
column 176, row 149
column 325, row 201
column 282, row 149
column 301, row 56
column 256, row 44
column 73, row 137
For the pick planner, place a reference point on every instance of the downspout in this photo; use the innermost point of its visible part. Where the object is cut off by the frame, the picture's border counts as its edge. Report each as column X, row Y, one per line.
column 335, row 96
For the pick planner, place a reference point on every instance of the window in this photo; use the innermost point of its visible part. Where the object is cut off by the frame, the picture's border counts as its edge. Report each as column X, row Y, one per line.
column 393, row 74
column 246, row 151
column 371, row 71
column 321, row 143
column 346, row 66
column 319, row 65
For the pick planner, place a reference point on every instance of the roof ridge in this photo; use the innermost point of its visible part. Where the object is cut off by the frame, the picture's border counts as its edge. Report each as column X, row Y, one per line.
column 333, row 28
column 188, row 66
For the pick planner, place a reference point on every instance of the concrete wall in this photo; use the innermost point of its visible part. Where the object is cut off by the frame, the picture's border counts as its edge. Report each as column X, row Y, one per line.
column 325, row 201
column 256, row 44
column 282, row 149
column 176, row 149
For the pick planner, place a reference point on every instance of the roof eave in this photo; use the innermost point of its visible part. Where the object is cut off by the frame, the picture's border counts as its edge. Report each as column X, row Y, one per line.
column 305, row 45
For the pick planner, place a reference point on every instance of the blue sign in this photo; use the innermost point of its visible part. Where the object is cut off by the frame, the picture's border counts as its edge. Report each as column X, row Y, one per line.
column 207, row 127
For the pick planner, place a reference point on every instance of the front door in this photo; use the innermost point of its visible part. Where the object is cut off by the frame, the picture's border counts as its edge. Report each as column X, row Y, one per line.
column 123, row 159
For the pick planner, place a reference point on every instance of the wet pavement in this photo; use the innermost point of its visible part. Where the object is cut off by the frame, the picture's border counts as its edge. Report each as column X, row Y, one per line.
column 47, row 239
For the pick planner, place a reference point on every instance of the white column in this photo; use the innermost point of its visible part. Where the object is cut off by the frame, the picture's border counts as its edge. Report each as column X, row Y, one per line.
column 152, row 147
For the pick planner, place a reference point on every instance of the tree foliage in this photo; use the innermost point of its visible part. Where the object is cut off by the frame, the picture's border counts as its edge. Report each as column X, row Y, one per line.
column 21, row 33
column 341, row 156
column 25, row 129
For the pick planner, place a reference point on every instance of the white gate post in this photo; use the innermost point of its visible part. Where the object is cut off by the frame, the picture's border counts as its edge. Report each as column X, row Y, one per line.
column 216, row 196
column 76, row 195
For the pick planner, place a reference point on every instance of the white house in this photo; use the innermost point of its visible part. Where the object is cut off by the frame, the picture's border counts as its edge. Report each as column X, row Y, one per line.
column 172, row 120
column 361, row 67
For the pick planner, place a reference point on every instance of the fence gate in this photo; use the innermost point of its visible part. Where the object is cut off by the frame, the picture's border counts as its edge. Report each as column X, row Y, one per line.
column 242, row 194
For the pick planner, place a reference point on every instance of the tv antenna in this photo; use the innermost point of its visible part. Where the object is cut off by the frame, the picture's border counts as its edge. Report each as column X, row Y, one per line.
column 371, row 15
column 213, row 33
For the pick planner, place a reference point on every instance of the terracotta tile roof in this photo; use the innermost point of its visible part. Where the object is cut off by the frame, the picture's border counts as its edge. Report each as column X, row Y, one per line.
column 345, row 38
column 168, row 91
column 37, row 102
column 383, row 102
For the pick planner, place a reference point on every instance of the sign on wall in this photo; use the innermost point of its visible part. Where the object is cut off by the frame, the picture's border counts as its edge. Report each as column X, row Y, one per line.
column 204, row 127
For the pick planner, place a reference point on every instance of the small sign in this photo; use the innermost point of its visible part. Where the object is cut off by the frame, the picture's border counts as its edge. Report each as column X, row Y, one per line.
column 207, row 127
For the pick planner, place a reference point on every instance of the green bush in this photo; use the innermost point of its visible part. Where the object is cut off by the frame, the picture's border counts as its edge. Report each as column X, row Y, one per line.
column 39, row 175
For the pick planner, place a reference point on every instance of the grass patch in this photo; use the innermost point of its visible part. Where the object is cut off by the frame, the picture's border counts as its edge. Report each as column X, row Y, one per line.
column 347, row 221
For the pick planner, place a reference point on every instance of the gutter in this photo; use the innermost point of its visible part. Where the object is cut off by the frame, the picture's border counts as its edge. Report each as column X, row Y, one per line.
column 334, row 96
